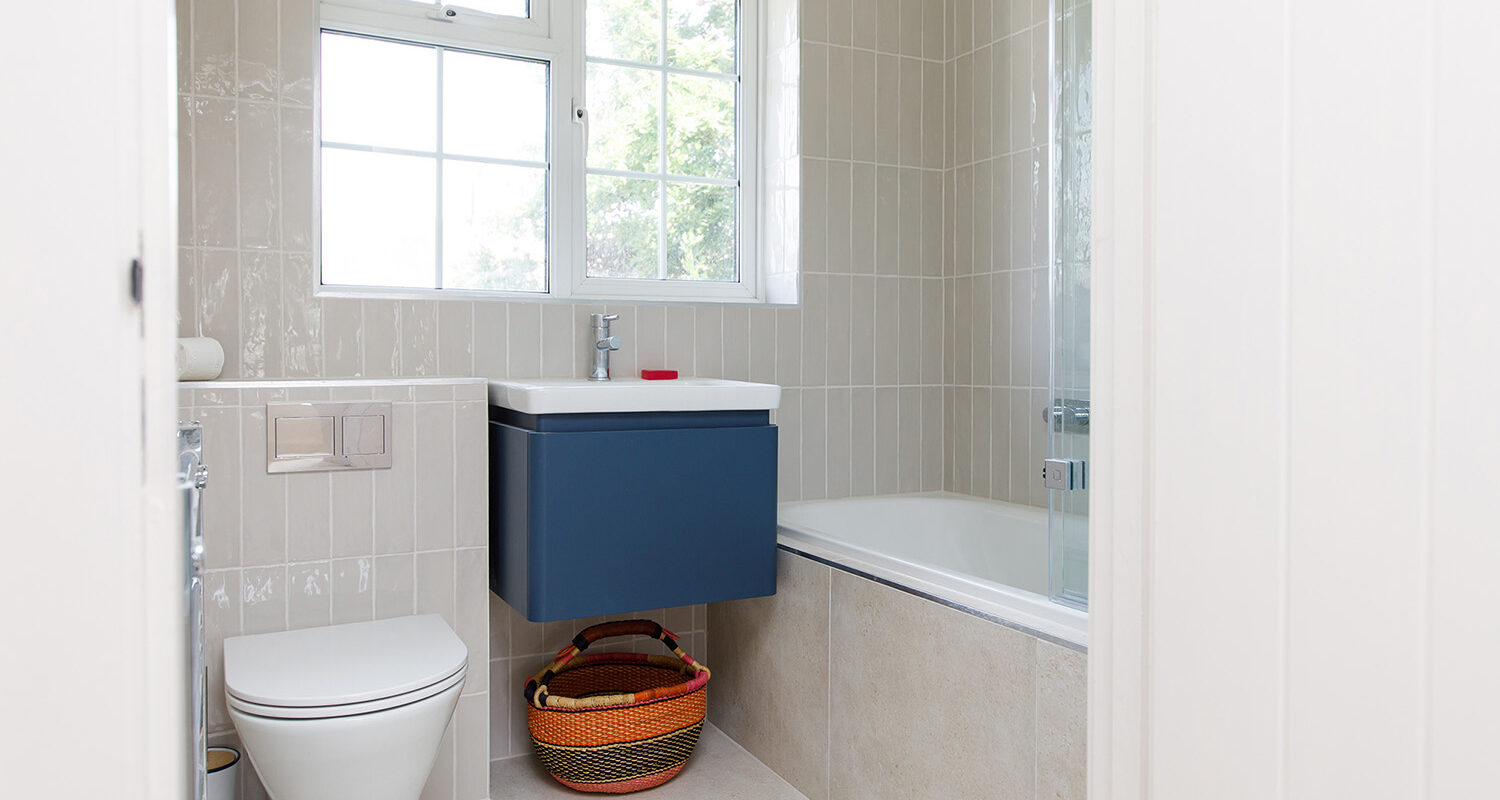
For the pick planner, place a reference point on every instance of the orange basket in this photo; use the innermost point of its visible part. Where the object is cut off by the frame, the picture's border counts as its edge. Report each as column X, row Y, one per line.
column 617, row 722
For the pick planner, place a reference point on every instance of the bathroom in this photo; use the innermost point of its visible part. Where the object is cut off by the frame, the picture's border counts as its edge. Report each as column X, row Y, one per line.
column 893, row 252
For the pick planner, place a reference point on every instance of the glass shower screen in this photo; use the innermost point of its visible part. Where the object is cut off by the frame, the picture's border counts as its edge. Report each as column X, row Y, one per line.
column 1068, row 439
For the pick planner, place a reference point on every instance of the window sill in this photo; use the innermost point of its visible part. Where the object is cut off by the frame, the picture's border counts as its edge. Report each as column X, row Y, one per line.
column 467, row 295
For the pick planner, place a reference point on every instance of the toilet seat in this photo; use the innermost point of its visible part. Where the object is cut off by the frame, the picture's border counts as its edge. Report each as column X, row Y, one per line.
column 343, row 670
column 347, row 709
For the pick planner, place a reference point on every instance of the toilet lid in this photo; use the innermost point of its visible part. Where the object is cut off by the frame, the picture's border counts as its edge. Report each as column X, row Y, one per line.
column 342, row 664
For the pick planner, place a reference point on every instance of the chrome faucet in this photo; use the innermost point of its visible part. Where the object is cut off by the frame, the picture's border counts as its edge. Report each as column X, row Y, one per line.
column 603, row 343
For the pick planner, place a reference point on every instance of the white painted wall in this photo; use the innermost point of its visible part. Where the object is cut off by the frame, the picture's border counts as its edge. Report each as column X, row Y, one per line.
column 1298, row 512
column 91, row 611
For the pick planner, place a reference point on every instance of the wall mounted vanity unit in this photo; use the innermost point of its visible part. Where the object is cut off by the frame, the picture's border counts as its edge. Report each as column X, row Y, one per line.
column 610, row 497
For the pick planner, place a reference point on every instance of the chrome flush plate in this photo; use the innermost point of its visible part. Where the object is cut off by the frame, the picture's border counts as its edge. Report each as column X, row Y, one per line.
column 325, row 437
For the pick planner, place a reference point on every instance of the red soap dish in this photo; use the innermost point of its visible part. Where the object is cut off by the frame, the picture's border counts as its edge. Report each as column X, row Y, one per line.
column 658, row 374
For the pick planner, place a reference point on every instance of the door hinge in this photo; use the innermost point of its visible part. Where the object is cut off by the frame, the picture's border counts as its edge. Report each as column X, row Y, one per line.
column 137, row 278
column 1066, row 474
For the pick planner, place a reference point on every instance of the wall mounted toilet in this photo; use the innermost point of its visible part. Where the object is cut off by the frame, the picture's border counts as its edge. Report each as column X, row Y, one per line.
column 345, row 712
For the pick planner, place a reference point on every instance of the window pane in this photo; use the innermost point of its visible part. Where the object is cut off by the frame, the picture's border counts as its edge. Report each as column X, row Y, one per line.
column 494, row 107
column 624, row 109
column 700, row 126
column 379, row 214
column 624, row 29
column 700, row 232
column 701, row 34
column 379, row 93
column 623, row 218
column 494, row 227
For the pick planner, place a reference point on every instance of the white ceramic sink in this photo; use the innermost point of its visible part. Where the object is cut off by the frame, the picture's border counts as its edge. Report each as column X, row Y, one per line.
column 580, row 396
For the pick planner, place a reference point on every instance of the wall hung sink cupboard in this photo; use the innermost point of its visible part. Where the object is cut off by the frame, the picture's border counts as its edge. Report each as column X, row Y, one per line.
column 615, row 496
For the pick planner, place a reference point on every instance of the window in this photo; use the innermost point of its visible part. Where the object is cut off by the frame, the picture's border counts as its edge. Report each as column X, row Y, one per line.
column 572, row 148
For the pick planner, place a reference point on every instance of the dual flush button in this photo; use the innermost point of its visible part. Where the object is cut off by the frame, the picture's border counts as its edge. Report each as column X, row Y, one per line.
column 323, row 437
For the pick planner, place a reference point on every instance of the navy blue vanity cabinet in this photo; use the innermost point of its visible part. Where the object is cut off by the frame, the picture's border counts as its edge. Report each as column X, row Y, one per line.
column 595, row 514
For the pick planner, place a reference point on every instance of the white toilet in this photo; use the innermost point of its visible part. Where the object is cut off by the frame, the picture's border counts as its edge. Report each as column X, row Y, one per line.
column 346, row 712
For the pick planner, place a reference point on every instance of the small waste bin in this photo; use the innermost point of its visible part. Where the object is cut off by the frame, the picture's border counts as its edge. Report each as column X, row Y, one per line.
column 223, row 773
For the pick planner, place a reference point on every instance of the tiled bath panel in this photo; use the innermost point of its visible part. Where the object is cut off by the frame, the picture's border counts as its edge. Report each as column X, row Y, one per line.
column 302, row 550
column 850, row 689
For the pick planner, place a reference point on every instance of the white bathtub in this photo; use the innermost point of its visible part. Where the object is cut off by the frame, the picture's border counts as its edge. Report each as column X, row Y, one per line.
column 985, row 557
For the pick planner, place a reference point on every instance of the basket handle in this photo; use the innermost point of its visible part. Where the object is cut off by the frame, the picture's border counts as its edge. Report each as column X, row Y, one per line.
column 535, row 690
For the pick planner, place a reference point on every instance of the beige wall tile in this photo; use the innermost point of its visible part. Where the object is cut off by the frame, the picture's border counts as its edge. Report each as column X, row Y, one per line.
column 679, row 338
column 560, row 355
column 735, row 342
column 1022, row 461
column 263, row 496
column 259, row 160
column 395, row 487
column 382, row 339
column 651, row 337
column 815, row 89
column 434, row 467
column 764, row 344
column 221, row 497
column 788, row 339
column 490, row 340
column 888, row 26
column 862, row 434
column 309, row 591
column 840, row 101
column 789, row 446
column 501, row 697
column 395, row 586
column 221, row 620
column 815, row 20
column 888, row 105
column 836, row 338
column 524, row 340
column 838, row 420
column 215, row 168
column 353, row 587
column 309, row 510
column 213, row 47
column 299, row 28
column 263, row 599
column 471, row 737
column 886, row 199
column 814, row 442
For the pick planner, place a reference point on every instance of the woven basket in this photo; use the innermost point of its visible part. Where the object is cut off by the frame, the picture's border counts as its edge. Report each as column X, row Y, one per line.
column 617, row 722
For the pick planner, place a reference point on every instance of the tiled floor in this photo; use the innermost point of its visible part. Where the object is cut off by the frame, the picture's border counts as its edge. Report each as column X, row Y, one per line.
column 719, row 769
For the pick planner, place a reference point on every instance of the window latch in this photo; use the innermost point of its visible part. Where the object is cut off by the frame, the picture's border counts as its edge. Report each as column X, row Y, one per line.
column 581, row 117
column 443, row 14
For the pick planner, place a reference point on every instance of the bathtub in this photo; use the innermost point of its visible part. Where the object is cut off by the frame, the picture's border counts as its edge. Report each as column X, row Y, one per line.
column 982, row 557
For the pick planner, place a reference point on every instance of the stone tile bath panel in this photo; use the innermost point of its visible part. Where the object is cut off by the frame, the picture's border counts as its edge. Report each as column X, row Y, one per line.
column 770, row 694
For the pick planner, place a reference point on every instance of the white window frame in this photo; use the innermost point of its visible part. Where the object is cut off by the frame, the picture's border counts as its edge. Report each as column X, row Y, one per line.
column 554, row 33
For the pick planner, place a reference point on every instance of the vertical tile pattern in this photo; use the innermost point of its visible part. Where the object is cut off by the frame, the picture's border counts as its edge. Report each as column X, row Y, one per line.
column 303, row 550
column 853, row 194
column 996, row 197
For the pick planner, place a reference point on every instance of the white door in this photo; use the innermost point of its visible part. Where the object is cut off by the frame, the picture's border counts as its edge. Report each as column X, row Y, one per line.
column 91, row 625
column 1297, row 522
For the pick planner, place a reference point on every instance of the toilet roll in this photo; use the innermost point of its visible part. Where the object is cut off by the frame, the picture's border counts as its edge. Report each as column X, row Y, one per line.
column 199, row 359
